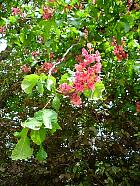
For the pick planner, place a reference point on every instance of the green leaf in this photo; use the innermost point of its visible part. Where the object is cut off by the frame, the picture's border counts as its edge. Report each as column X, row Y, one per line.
column 29, row 82
column 126, row 27
column 46, row 27
column 32, row 123
column 21, row 133
column 43, row 77
column 88, row 93
column 22, row 149
column 64, row 78
column 51, row 82
column 41, row 154
column 17, row 134
column 21, row 37
column 40, row 87
column 39, row 115
column 56, row 103
column 38, row 136
column 55, row 126
column 49, row 117
column 40, row 83
column 12, row 19
column 99, row 88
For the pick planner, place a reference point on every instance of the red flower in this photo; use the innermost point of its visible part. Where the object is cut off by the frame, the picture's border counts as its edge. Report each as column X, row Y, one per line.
column 65, row 88
column 35, row 53
column 47, row 13
column 97, row 68
column 51, row 55
column 84, row 52
column 46, row 66
column 138, row 106
column 80, row 67
column 51, row 1
column 85, row 77
column 26, row 69
column 2, row 29
column 120, row 53
column 79, row 58
column 75, row 99
column 15, row 11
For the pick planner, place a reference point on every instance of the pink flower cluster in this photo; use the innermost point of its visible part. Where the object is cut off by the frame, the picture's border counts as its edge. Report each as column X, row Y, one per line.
column 120, row 53
column 15, row 11
column 68, row 90
column 2, row 29
column 119, row 50
column 65, row 88
column 129, row 3
column 46, row 67
column 75, row 99
column 86, row 75
column 47, row 13
column 26, row 69
column 35, row 53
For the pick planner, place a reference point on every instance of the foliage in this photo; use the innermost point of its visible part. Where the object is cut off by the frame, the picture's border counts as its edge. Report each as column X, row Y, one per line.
column 70, row 82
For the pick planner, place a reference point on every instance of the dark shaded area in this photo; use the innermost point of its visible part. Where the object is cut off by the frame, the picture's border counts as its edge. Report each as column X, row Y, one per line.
column 82, row 153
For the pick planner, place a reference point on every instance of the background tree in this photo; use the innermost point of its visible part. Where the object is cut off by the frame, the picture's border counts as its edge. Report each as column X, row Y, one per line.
column 76, row 122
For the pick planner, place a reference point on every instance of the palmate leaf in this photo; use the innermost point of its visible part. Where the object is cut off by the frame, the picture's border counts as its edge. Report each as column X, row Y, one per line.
column 22, row 149
column 38, row 115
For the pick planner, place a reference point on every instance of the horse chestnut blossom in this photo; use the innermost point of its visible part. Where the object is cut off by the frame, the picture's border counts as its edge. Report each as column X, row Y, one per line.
column 46, row 67
column 85, row 76
column 65, row 88
column 35, row 53
column 51, row 1
column 75, row 99
column 47, row 13
column 51, row 55
column 129, row 3
column 79, row 58
column 120, row 53
column 26, row 69
column 138, row 106
column 119, row 50
column 16, row 11
column 90, row 58
column 2, row 29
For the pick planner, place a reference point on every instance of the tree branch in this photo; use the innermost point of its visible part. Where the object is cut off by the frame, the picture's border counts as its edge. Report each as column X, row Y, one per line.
column 62, row 59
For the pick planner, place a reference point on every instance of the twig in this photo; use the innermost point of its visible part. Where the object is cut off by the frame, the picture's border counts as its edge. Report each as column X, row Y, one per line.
column 62, row 59
column 47, row 104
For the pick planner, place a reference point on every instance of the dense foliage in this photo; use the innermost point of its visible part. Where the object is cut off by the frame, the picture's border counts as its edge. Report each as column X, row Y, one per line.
column 70, row 92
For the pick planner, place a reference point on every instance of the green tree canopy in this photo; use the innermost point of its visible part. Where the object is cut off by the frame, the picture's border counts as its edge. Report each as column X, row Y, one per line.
column 70, row 92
